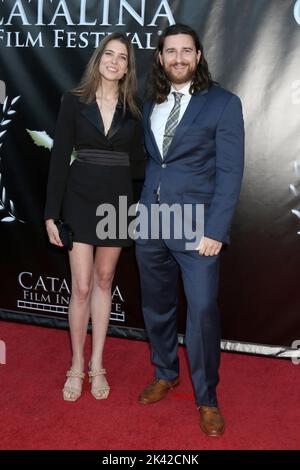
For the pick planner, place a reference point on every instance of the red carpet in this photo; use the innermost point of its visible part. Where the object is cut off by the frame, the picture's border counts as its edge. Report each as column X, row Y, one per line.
column 259, row 398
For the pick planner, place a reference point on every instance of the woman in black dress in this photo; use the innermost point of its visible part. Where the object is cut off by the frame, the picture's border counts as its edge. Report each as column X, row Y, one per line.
column 101, row 120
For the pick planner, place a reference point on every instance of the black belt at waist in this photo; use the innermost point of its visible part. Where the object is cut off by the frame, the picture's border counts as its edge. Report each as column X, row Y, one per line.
column 102, row 157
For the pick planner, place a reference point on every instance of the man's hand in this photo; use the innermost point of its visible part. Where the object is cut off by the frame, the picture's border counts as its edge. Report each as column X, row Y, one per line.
column 209, row 247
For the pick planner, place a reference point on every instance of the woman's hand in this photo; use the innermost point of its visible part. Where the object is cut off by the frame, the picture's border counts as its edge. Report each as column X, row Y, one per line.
column 53, row 234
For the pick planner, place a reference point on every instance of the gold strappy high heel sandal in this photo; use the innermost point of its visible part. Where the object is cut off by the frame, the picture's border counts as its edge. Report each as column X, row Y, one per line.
column 100, row 392
column 71, row 393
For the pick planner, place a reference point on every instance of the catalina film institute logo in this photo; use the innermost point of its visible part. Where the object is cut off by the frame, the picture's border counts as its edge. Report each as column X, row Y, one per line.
column 52, row 294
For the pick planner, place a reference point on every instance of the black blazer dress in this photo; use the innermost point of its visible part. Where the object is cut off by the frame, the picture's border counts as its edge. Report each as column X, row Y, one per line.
column 103, row 170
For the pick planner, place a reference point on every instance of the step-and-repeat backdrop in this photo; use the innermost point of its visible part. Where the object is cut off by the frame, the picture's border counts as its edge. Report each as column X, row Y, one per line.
column 252, row 47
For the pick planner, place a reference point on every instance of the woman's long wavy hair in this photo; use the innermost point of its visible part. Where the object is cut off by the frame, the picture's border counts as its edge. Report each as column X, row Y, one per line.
column 127, row 85
column 159, row 84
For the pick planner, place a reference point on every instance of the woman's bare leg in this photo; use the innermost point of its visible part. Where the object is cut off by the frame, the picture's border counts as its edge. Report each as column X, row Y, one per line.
column 105, row 262
column 81, row 264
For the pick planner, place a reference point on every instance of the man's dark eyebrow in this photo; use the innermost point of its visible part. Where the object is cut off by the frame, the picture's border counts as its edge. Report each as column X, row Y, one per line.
column 185, row 48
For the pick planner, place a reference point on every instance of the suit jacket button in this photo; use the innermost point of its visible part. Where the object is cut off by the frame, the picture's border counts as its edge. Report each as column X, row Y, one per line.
column 164, row 165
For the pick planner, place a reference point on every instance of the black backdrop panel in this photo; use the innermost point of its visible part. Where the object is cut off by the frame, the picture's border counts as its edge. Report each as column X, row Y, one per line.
column 252, row 48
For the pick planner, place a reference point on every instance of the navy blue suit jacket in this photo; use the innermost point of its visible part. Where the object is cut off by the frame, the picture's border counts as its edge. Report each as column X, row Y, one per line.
column 204, row 163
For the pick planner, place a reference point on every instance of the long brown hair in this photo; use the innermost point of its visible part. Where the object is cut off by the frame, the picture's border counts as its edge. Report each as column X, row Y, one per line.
column 127, row 85
column 159, row 84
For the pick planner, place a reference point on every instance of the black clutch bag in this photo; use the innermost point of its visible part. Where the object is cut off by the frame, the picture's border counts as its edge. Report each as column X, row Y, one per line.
column 65, row 234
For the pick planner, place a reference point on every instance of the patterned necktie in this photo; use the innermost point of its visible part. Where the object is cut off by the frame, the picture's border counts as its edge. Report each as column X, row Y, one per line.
column 172, row 122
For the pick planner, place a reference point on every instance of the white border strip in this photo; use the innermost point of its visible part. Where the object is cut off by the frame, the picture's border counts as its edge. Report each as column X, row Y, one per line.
column 263, row 349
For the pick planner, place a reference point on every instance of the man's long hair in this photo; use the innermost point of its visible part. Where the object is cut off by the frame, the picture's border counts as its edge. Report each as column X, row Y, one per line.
column 159, row 84
column 91, row 78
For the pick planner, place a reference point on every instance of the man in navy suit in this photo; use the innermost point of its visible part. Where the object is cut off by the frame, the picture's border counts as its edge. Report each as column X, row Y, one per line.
column 194, row 137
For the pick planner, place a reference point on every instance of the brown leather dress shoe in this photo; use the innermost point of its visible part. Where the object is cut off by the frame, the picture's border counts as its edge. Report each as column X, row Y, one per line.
column 157, row 390
column 211, row 421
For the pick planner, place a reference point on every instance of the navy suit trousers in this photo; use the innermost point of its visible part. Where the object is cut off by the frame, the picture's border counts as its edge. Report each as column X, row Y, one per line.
column 159, row 268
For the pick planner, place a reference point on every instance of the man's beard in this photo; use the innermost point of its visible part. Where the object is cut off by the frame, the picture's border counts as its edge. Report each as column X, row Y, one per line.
column 179, row 79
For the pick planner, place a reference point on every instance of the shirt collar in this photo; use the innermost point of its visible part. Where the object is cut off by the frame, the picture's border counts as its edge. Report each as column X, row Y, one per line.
column 185, row 90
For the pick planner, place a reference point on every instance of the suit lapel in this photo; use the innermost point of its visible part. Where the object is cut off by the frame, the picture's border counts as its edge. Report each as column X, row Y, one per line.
column 148, row 108
column 194, row 107
column 117, row 120
column 92, row 113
